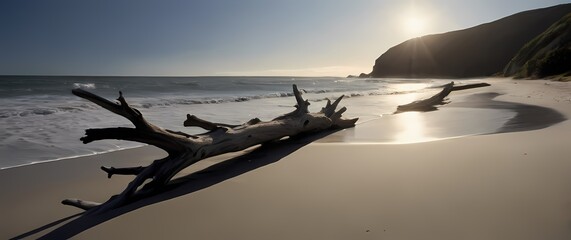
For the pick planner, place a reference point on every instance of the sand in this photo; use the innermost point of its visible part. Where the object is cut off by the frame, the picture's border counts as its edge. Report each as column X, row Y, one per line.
column 510, row 185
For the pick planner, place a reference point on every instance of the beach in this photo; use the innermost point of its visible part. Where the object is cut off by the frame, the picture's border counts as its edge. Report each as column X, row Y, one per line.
column 373, row 181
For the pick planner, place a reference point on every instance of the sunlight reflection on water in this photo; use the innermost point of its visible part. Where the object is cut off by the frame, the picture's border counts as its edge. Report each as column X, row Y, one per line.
column 409, row 87
column 411, row 128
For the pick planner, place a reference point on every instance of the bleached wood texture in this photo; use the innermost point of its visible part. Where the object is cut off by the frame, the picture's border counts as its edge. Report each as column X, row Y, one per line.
column 185, row 149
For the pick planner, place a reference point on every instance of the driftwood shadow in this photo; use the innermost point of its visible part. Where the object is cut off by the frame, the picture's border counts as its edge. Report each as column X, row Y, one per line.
column 261, row 156
column 45, row 227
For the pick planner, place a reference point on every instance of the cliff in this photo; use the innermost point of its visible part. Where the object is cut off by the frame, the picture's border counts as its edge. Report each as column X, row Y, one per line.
column 547, row 54
column 482, row 50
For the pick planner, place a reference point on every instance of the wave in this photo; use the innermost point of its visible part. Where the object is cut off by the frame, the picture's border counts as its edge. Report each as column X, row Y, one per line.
column 84, row 85
column 189, row 83
column 229, row 99
column 375, row 80
column 315, row 95
column 43, row 111
column 70, row 157
column 210, row 100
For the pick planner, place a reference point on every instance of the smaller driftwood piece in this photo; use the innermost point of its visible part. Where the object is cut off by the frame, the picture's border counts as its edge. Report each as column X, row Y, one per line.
column 185, row 149
column 430, row 104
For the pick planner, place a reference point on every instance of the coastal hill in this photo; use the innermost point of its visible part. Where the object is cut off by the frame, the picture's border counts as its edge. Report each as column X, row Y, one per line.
column 547, row 54
column 482, row 50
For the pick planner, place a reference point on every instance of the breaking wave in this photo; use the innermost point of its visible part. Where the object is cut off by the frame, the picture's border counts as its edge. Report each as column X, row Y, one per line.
column 84, row 85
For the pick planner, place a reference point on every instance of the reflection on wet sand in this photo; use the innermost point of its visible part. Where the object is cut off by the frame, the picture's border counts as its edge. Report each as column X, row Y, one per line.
column 475, row 115
column 411, row 128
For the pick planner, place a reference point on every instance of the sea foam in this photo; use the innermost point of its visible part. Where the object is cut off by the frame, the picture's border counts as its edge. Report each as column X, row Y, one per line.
column 84, row 85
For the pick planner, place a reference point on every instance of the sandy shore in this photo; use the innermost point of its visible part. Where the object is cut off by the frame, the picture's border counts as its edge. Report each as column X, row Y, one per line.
column 511, row 185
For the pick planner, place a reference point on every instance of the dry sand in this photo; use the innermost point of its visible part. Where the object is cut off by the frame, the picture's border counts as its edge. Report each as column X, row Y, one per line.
column 513, row 185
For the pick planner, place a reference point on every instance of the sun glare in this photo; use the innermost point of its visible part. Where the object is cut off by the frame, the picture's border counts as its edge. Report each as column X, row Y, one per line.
column 415, row 25
column 415, row 21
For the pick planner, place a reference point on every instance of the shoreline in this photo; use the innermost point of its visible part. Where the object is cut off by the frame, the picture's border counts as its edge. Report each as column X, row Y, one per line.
column 511, row 185
column 71, row 157
column 464, row 102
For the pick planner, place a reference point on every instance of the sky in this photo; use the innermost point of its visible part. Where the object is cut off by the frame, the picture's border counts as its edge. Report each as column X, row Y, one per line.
column 224, row 37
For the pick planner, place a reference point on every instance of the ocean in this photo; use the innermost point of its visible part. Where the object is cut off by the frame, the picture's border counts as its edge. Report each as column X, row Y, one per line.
column 42, row 121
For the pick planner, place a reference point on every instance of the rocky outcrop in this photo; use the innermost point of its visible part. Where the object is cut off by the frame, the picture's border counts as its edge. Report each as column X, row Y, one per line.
column 483, row 50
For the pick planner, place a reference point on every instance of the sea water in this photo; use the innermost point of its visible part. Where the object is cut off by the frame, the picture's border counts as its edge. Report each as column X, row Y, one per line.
column 40, row 119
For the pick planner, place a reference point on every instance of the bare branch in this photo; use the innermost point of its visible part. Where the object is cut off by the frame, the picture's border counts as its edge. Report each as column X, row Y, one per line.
column 85, row 205
column 329, row 109
column 194, row 121
column 122, row 109
column 302, row 105
column 122, row 171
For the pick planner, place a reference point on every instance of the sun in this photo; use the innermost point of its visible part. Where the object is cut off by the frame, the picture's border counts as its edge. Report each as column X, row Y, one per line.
column 415, row 26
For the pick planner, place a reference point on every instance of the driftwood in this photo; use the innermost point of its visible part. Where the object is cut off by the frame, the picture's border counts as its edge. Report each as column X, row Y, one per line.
column 185, row 149
column 429, row 104
column 469, row 86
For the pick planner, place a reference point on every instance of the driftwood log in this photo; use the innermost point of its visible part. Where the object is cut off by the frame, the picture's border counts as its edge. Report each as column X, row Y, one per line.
column 185, row 149
column 429, row 104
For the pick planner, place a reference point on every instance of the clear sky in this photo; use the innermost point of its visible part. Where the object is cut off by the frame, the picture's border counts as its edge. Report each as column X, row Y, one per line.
column 224, row 37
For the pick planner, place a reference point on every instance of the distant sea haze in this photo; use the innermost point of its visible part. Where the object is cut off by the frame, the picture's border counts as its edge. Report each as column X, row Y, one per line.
column 41, row 120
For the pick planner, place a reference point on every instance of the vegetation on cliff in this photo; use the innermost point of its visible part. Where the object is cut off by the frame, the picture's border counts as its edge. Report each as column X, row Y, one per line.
column 546, row 55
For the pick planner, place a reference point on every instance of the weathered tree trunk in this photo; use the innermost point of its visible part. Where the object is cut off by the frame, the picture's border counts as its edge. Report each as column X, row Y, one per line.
column 185, row 149
column 469, row 86
column 429, row 104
